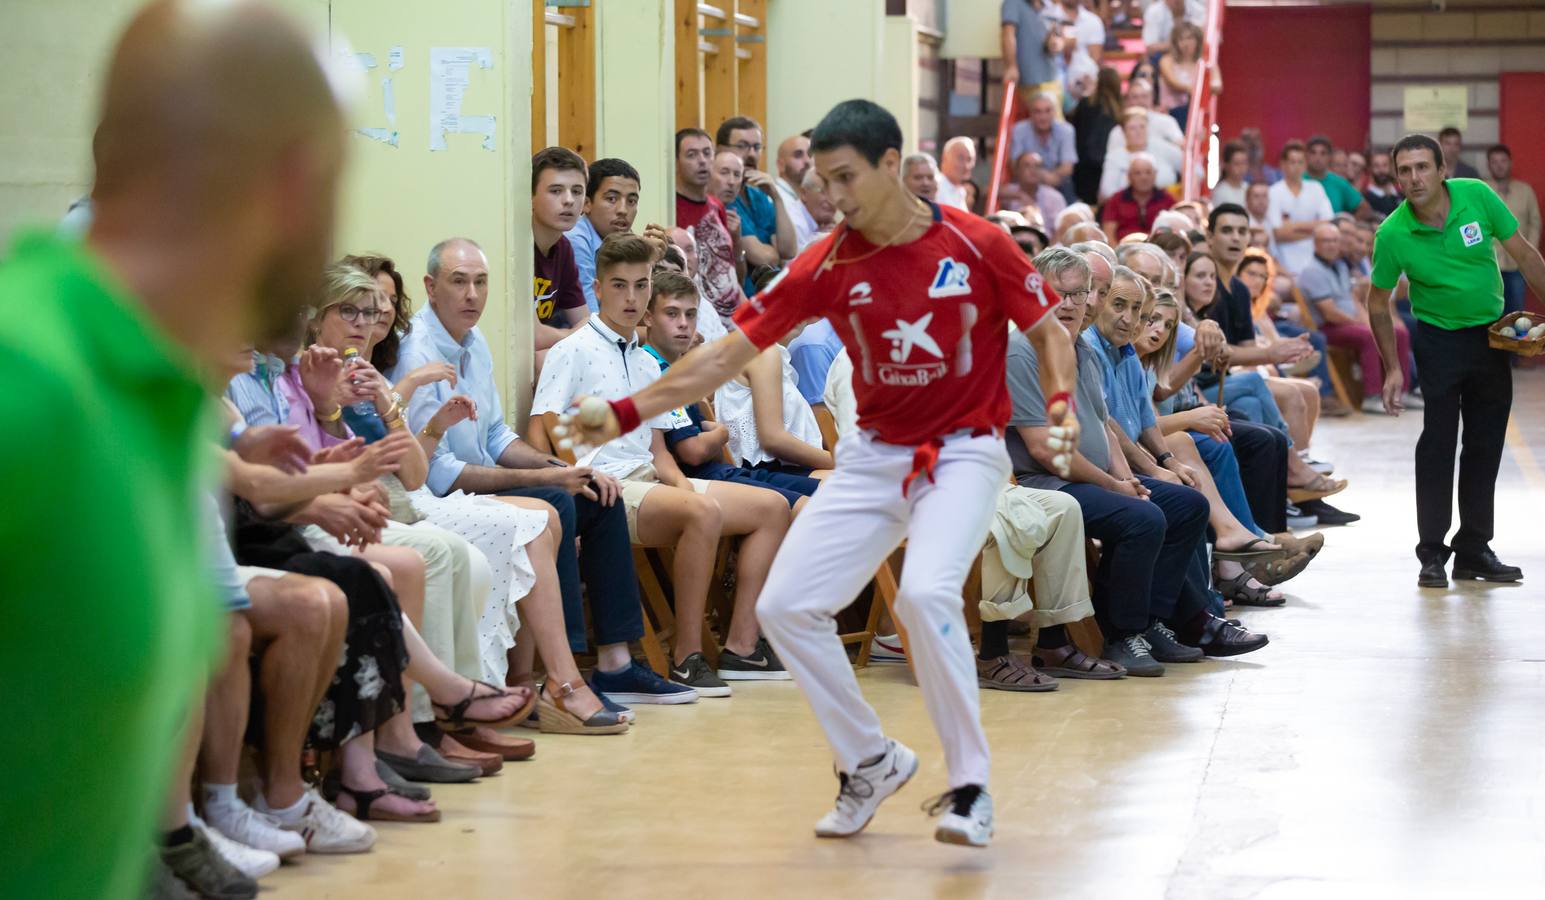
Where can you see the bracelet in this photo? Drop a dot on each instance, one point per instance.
(394, 424)
(431, 432)
(1164, 457)
(1062, 396)
(337, 414)
(627, 414)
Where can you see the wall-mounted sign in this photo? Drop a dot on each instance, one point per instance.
(1431, 108)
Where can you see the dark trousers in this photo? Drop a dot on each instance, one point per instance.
(606, 567)
(1514, 291)
(1461, 377)
(1317, 341)
(1262, 452)
(1147, 547)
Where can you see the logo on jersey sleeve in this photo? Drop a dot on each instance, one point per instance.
(1036, 285)
(952, 280)
(1471, 234)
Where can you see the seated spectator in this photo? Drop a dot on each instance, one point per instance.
(920, 174)
(1160, 18)
(811, 353)
(1175, 245)
(813, 192)
(769, 423)
(1256, 272)
(1042, 203)
(719, 266)
(793, 163)
(484, 456)
(699, 446)
(1381, 192)
(1296, 206)
(1052, 140)
(1074, 214)
(1117, 177)
(1132, 209)
(1326, 283)
(1453, 142)
(766, 225)
(1344, 198)
(1082, 232)
(1525, 207)
(1088, 29)
(1231, 181)
(1259, 170)
(973, 195)
(956, 161)
(1356, 168)
(557, 197)
(665, 507)
(1146, 546)
(709, 325)
(1094, 119)
(1030, 239)
(1177, 71)
(612, 189)
(1165, 139)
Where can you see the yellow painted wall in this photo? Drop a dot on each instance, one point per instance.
(636, 75)
(901, 77)
(819, 53)
(972, 29)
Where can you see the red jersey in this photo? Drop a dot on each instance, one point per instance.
(926, 322)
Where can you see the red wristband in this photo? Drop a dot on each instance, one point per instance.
(627, 414)
(1062, 396)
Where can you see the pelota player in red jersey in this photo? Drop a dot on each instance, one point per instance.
(922, 297)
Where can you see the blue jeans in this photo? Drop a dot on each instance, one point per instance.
(1247, 394)
(1317, 341)
(607, 567)
(1513, 291)
(1149, 549)
(1221, 462)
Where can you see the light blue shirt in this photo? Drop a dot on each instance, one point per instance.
(811, 355)
(1127, 395)
(585, 241)
(479, 442)
(256, 393)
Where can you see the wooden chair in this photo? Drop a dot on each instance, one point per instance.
(1339, 360)
(652, 564)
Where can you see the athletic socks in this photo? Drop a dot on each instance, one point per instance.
(221, 796)
(290, 815)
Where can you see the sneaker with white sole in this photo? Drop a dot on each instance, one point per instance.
(325, 829)
(967, 816)
(245, 825)
(761, 664)
(251, 862)
(886, 648)
(861, 793)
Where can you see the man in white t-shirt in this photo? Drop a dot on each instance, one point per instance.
(955, 165)
(1160, 16)
(1295, 207)
(793, 163)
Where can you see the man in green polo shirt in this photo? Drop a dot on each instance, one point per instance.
(1440, 239)
(1344, 198)
(216, 160)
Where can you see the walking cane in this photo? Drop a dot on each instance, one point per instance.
(1222, 377)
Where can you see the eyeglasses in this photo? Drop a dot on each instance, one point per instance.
(1076, 297)
(351, 313)
(747, 147)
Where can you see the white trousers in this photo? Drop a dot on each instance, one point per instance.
(833, 549)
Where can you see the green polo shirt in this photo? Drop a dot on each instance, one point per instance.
(109, 622)
(1453, 273)
(1343, 197)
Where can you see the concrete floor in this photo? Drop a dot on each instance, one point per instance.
(1388, 743)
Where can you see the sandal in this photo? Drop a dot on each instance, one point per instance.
(1276, 571)
(1010, 673)
(364, 804)
(455, 717)
(1312, 544)
(1075, 663)
(556, 718)
(1238, 589)
(1245, 553)
(1318, 489)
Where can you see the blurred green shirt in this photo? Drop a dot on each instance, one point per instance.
(109, 623)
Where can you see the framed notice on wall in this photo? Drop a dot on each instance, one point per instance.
(1431, 108)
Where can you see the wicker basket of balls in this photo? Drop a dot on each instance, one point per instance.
(1518, 333)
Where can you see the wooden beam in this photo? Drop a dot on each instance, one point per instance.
(721, 74)
(576, 82)
(538, 77)
(752, 87)
(689, 67)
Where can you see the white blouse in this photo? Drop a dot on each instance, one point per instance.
(733, 405)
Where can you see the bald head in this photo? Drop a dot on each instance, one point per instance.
(457, 284)
(683, 239)
(1084, 231)
(217, 158)
(957, 159)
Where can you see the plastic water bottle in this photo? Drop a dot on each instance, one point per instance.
(363, 408)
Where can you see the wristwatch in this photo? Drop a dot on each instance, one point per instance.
(1164, 457)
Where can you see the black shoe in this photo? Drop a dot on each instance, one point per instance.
(761, 664)
(694, 673)
(1327, 514)
(1484, 566)
(1216, 637)
(1434, 575)
(1164, 647)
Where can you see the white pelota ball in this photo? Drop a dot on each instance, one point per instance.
(566, 444)
(1523, 322)
(593, 412)
(1537, 332)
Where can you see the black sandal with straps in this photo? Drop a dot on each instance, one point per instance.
(364, 804)
(454, 717)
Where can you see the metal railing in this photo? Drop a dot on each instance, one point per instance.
(1203, 114)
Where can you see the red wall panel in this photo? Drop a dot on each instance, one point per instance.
(1522, 129)
(1294, 72)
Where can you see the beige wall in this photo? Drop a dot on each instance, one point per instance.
(819, 53)
(636, 74)
(901, 78)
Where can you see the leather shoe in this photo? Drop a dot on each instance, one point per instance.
(429, 766)
(505, 746)
(1484, 566)
(1327, 514)
(1433, 575)
(1216, 637)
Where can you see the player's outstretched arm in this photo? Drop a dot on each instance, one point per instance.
(690, 379)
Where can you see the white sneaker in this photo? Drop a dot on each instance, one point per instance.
(967, 816)
(1374, 406)
(862, 792)
(886, 648)
(1411, 401)
(325, 829)
(248, 827)
(250, 862)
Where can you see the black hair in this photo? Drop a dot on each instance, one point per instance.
(861, 124)
(1196, 237)
(1225, 209)
(1321, 140)
(1499, 148)
(560, 158)
(734, 123)
(1450, 131)
(1232, 149)
(1418, 142)
(602, 169)
(685, 133)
